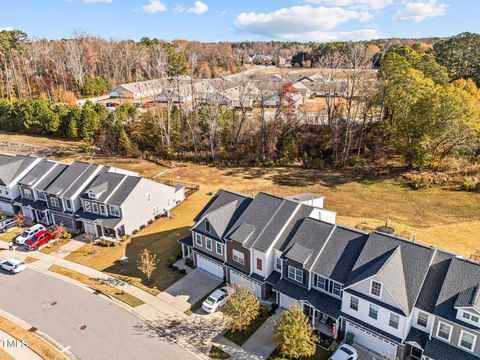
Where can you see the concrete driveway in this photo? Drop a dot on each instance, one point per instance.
(366, 354)
(190, 289)
(94, 327)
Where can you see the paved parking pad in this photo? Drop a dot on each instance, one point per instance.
(190, 289)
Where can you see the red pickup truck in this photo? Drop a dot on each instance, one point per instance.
(39, 239)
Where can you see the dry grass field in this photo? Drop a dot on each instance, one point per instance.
(443, 217)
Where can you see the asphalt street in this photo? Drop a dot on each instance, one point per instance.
(94, 327)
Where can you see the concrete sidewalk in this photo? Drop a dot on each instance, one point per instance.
(15, 348)
(65, 250)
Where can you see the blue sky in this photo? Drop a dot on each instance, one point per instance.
(217, 20)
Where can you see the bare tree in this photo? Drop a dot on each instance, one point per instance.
(147, 264)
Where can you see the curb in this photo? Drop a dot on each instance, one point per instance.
(26, 326)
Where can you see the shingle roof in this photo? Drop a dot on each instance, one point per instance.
(417, 336)
(12, 166)
(440, 350)
(469, 298)
(340, 253)
(38, 171)
(377, 254)
(221, 198)
(434, 280)
(308, 241)
(284, 240)
(51, 177)
(72, 179)
(112, 188)
(461, 276)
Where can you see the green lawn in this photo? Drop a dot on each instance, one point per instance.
(241, 337)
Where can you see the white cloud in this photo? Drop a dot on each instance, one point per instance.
(305, 23)
(154, 6)
(197, 8)
(419, 10)
(354, 4)
(98, 1)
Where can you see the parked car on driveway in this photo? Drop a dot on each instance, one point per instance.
(344, 352)
(39, 239)
(112, 104)
(217, 299)
(13, 265)
(28, 233)
(5, 224)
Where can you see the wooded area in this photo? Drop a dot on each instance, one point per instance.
(424, 104)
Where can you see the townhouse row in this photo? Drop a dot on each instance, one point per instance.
(398, 298)
(104, 201)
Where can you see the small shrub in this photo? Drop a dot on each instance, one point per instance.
(174, 268)
(134, 231)
(189, 262)
(469, 183)
(183, 271)
(157, 216)
(419, 182)
(172, 259)
(142, 227)
(106, 243)
(150, 222)
(170, 266)
(263, 311)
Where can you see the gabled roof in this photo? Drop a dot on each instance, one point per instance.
(387, 254)
(220, 218)
(469, 298)
(461, 280)
(308, 241)
(72, 179)
(340, 253)
(221, 198)
(12, 166)
(37, 172)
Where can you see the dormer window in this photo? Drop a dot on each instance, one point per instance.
(207, 226)
(376, 289)
(91, 195)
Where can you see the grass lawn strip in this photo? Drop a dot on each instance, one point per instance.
(241, 337)
(98, 285)
(217, 353)
(35, 343)
(5, 356)
(29, 260)
(53, 247)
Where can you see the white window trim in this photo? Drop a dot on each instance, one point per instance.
(261, 264)
(86, 206)
(217, 244)
(66, 202)
(295, 272)
(418, 317)
(371, 288)
(114, 210)
(450, 333)
(276, 264)
(198, 239)
(235, 254)
(208, 241)
(149, 198)
(370, 308)
(95, 205)
(390, 319)
(358, 303)
(460, 340)
(55, 202)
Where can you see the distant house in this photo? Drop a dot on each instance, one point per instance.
(139, 89)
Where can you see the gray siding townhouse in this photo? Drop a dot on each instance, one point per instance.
(33, 200)
(116, 204)
(398, 298)
(12, 170)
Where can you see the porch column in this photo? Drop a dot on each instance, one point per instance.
(313, 315)
(183, 251)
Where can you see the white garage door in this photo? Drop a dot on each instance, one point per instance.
(239, 278)
(286, 300)
(6, 207)
(372, 341)
(210, 266)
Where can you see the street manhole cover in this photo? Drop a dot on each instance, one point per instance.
(83, 327)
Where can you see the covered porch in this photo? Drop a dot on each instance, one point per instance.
(187, 244)
(106, 228)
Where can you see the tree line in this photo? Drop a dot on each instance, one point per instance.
(417, 105)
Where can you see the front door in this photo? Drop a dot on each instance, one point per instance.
(416, 353)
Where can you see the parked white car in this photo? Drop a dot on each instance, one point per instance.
(5, 224)
(13, 265)
(28, 233)
(344, 352)
(217, 299)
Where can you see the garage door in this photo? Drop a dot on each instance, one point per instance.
(6, 207)
(372, 341)
(286, 300)
(210, 266)
(239, 278)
